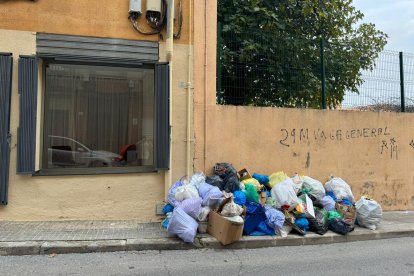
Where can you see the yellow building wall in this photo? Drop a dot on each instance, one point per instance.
(103, 18)
(120, 196)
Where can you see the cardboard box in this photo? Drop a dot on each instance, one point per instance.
(244, 174)
(347, 211)
(224, 230)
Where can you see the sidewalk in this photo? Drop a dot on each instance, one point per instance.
(33, 238)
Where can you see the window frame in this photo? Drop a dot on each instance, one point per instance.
(96, 170)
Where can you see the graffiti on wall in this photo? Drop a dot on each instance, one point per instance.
(390, 147)
(388, 144)
(292, 136)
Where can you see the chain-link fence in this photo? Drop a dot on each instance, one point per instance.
(254, 68)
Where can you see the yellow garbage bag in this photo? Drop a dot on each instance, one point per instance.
(276, 178)
(254, 182)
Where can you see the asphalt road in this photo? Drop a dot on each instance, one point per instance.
(380, 257)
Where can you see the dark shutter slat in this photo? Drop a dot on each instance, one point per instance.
(6, 69)
(26, 133)
(90, 49)
(162, 145)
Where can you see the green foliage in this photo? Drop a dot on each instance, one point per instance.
(270, 51)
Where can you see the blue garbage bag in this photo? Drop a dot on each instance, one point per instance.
(345, 201)
(165, 223)
(302, 223)
(331, 194)
(239, 198)
(263, 179)
(255, 214)
(262, 230)
(168, 208)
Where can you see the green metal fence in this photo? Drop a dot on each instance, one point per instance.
(253, 69)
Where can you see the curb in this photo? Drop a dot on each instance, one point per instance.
(203, 241)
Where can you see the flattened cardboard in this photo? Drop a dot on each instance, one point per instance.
(225, 231)
(310, 211)
(347, 211)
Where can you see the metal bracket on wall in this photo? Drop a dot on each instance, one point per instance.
(185, 85)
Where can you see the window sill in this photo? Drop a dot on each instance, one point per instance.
(93, 171)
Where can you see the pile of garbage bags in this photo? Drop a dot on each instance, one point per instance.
(274, 204)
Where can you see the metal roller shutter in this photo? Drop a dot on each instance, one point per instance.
(94, 49)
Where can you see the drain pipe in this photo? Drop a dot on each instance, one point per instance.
(189, 87)
(170, 53)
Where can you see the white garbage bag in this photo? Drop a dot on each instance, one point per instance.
(191, 206)
(284, 230)
(209, 194)
(340, 189)
(284, 194)
(182, 225)
(171, 193)
(197, 179)
(315, 187)
(298, 182)
(185, 192)
(231, 209)
(369, 213)
(202, 216)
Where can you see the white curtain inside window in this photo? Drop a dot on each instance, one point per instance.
(104, 108)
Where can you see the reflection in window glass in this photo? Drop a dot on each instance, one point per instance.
(98, 116)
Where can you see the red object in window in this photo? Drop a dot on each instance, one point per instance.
(124, 151)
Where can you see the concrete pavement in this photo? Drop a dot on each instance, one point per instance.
(32, 238)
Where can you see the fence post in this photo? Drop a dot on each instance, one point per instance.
(219, 48)
(323, 76)
(402, 82)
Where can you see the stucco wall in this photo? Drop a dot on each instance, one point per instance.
(205, 30)
(103, 18)
(129, 196)
(373, 152)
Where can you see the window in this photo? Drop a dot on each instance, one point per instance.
(98, 116)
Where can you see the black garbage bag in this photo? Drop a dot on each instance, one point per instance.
(229, 175)
(224, 170)
(319, 224)
(339, 226)
(215, 180)
(231, 184)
